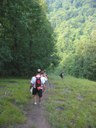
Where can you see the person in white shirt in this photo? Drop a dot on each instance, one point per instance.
(38, 91)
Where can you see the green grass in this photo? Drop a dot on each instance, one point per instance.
(14, 95)
(72, 103)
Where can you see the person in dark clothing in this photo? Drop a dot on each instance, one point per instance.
(62, 75)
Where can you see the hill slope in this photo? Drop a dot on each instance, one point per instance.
(74, 22)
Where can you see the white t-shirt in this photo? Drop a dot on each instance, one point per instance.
(45, 77)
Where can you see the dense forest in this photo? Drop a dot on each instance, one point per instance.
(26, 37)
(43, 33)
(74, 23)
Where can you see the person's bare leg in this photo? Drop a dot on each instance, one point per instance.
(34, 98)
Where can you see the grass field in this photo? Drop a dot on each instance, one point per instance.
(14, 94)
(71, 102)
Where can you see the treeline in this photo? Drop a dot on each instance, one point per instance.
(74, 22)
(26, 37)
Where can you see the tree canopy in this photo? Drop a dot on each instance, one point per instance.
(26, 37)
(74, 22)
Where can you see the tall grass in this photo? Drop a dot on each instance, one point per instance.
(14, 94)
(71, 103)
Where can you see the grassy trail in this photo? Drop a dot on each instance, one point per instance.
(70, 103)
(36, 116)
(17, 109)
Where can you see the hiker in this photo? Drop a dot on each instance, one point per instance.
(61, 75)
(43, 73)
(45, 77)
(38, 88)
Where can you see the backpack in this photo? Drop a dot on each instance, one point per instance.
(38, 82)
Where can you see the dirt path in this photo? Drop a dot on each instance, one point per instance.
(36, 115)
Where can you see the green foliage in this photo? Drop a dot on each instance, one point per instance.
(26, 36)
(74, 23)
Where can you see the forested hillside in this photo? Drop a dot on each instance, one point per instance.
(26, 37)
(74, 22)
(27, 40)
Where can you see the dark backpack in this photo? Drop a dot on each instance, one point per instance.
(38, 82)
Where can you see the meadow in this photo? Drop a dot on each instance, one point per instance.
(70, 102)
(14, 95)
